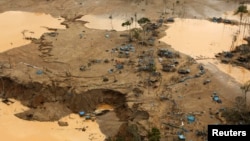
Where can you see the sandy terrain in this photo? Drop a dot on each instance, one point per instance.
(68, 67)
(15, 129)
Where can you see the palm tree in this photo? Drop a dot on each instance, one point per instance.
(142, 22)
(135, 19)
(110, 17)
(165, 6)
(241, 10)
(127, 24)
(132, 20)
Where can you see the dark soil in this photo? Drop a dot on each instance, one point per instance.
(240, 56)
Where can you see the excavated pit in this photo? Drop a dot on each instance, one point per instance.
(50, 103)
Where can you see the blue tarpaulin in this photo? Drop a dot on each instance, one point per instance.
(181, 137)
(39, 72)
(81, 113)
(190, 118)
(216, 98)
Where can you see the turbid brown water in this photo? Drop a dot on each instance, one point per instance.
(15, 129)
(16, 26)
(105, 22)
(203, 39)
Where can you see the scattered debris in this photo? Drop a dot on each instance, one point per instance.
(128, 47)
(106, 61)
(93, 61)
(206, 81)
(217, 20)
(62, 123)
(7, 101)
(163, 97)
(216, 98)
(87, 116)
(167, 53)
(228, 54)
(107, 36)
(119, 66)
(39, 72)
(190, 118)
(81, 113)
(221, 20)
(111, 70)
(170, 20)
(53, 34)
(242, 59)
(176, 126)
(83, 129)
(83, 68)
(168, 67)
(184, 71)
(181, 137)
(105, 79)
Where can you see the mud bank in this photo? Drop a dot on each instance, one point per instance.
(50, 104)
(61, 101)
(13, 128)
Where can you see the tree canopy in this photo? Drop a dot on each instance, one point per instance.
(127, 23)
(154, 134)
(143, 20)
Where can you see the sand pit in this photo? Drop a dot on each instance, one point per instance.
(19, 25)
(16, 129)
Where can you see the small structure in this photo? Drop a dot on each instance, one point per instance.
(87, 117)
(184, 71)
(81, 113)
(63, 123)
(170, 20)
(190, 118)
(181, 137)
(216, 99)
(39, 72)
(168, 67)
(217, 20)
(128, 47)
(167, 53)
(119, 66)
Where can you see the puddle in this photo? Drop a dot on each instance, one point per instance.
(204, 39)
(105, 107)
(16, 26)
(103, 22)
(13, 128)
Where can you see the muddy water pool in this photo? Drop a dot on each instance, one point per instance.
(202, 39)
(17, 25)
